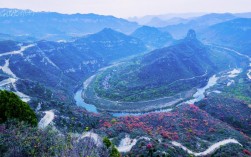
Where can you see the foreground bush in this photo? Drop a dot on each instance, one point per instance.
(12, 107)
(112, 149)
(19, 139)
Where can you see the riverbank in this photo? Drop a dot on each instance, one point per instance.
(93, 103)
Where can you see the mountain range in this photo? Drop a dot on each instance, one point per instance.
(235, 33)
(197, 23)
(103, 86)
(61, 66)
(56, 26)
(178, 18)
(166, 71)
(153, 37)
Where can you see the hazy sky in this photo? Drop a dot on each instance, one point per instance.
(129, 8)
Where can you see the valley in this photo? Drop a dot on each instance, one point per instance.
(97, 85)
(198, 95)
(106, 103)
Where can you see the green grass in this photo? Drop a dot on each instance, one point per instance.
(240, 90)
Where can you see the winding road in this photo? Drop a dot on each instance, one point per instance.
(12, 77)
(127, 143)
(96, 138)
(23, 48)
(210, 150)
(47, 119)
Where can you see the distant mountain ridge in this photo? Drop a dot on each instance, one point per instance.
(198, 23)
(153, 37)
(56, 26)
(175, 19)
(235, 34)
(111, 44)
(149, 19)
(5, 12)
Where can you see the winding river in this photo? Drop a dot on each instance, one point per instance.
(199, 95)
(92, 108)
(80, 102)
(240, 54)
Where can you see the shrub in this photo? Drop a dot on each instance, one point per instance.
(112, 149)
(114, 152)
(113, 121)
(107, 142)
(247, 152)
(12, 107)
(20, 139)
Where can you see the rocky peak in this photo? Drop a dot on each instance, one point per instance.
(191, 34)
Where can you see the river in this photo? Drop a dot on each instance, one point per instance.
(92, 108)
(199, 95)
(80, 102)
(240, 54)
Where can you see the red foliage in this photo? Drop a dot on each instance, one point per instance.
(194, 108)
(212, 130)
(247, 152)
(107, 124)
(165, 134)
(189, 121)
(149, 146)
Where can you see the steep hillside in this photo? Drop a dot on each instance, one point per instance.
(62, 66)
(111, 44)
(235, 34)
(164, 133)
(8, 45)
(232, 111)
(164, 72)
